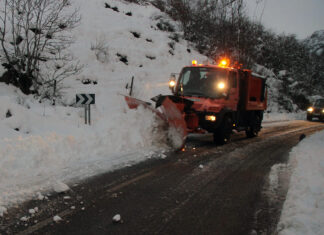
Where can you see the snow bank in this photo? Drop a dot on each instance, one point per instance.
(303, 210)
(275, 116)
(274, 176)
(57, 150)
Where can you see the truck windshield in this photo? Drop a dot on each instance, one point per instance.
(319, 103)
(202, 81)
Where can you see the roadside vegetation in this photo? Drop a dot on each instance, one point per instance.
(223, 28)
(34, 38)
(34, 41)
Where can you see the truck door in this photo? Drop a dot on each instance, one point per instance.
(243, 90)
(233, 90)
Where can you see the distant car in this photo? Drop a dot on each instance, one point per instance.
(316, 111)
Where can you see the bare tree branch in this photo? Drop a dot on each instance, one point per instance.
(34, 35)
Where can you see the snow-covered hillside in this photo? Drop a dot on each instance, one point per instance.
(42, 144)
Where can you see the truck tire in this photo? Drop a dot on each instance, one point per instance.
(254, 127)
(223, 133)
(309, 117)
(250, 133)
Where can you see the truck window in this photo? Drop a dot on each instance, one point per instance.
(186, 76)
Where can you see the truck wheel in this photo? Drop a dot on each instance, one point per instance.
(223, 134)
(254, 128)
(250, 133)
(309, 117)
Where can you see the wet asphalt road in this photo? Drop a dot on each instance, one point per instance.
(206, 189)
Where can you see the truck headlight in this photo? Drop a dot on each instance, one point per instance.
(221, 85)
(310, 109)
(211, 118)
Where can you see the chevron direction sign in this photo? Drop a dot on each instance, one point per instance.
(85, 99)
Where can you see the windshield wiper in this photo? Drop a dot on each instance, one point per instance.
(198, 94)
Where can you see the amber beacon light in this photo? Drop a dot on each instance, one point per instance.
(224, 63)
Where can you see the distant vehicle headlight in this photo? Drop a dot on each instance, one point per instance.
(310, 109)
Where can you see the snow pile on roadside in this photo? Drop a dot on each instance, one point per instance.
(47, 149)
(275, 116)
(274, 175)
(303, 211)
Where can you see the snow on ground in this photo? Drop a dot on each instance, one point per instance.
(42, 146)
(276, 116)
(303, 210)
(274, 176)
(57, 218)
(3, 210)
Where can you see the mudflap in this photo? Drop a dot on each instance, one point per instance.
(171, 115)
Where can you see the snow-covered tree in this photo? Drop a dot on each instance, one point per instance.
(34, 36)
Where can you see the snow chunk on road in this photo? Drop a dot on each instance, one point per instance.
(57, 218)
(60, 187)
(274, 175)
(163, 156)
(117, 218)
(33, 211)
(40, 196)
(3, 211)
(24, 218)
(303, 210)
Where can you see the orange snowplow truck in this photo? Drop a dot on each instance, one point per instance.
(212, 98)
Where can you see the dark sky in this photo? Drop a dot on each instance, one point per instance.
(300, 17)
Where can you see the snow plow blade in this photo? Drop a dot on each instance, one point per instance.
(170, 114)
(134, 103)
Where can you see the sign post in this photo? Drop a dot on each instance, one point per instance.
(86, 100)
